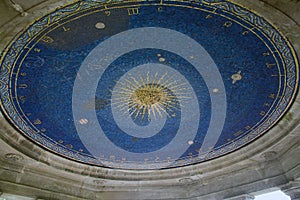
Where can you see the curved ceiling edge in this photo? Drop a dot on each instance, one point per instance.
(61, 163)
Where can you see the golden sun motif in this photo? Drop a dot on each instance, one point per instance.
(141, 96)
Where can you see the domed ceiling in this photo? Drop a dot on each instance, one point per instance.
(147, 84)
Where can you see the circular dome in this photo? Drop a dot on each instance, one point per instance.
(147, 85)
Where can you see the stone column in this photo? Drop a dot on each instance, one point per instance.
(292, 189)
(241, 197)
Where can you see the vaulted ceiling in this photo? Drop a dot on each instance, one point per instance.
(149, 99)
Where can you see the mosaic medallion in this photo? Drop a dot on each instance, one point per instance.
(147, 84)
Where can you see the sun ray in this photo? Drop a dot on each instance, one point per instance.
(141, 79)
(145, 94)
(161, 78)
(148, 78)
(124, 85)
(164, 83)
(157, 110)
(149, 111)
(132, 112)
(173, 87)
(162, 109)
(138, 84)
(131, 83)
(154, 79)
(121, 108)
(144, 111)
(167, 105)
(172, 84)
(123, 92)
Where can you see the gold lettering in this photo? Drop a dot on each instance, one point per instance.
(228, 24)
(245, 33)
(247, 127)
(208, 16)
(23, 86)
(23, 74)
(276, 75)
(270, 65)
(22, 98)
(47, 39)
(43, 130)
(69, 146)
(262, 113)
(266, 54)
(66, 29)
(133, 11)
(238, 133)
(37, 121)
(266, 105)
(37, 50)
(107, 12)
(272, 96)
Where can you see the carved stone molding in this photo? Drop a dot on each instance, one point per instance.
(16, 7)
(13, 157)
(270, 155)
(292, 189)
(242, 197)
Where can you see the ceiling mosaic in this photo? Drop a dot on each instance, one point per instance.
(147, 84)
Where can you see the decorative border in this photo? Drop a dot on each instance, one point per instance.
(10, 56)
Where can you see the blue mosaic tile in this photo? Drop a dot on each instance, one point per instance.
(147, 84)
